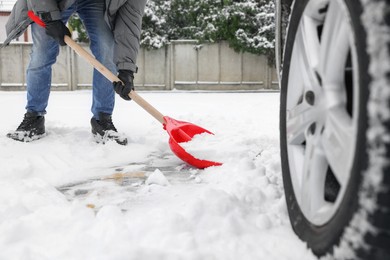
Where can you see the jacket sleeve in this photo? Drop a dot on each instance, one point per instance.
(45, 6)
(16, 24)
(127, 33)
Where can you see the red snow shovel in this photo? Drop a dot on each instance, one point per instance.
(179, 131)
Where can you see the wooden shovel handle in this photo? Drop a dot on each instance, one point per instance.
(113, 78)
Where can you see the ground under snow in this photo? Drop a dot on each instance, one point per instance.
(66, 197)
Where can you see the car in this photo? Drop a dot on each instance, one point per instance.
(333, 61)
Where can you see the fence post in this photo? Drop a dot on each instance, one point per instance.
(167, 62)
(269, 75)
(69, 67)
(1, 67)
(219, 64)
(23, 67)
(173, 66)
(74, 81)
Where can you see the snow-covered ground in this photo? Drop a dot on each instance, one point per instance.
(66, 197)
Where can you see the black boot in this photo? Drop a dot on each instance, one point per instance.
(32, 128)
(104, 130)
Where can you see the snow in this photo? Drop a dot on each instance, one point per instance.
(157, 178)
(234, 211)
(6, 5)
(246, 25)
(209, 147)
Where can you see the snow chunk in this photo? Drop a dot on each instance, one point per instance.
(220, 148)
(158, 178)
(204, 146)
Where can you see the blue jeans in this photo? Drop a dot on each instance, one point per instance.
(45, 51)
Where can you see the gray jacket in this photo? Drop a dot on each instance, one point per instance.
(123, 16)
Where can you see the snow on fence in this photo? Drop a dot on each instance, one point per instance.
(182, 65)
(6, 5)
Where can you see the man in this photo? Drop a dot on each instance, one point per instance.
(108, 23)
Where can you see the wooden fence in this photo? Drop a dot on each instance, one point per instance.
(182, 65)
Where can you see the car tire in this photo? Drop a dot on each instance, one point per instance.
(335, 127)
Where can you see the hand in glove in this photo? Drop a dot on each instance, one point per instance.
(57, 30)
(123, 90)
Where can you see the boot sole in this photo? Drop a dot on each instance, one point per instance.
(24, 137)
(106, 138)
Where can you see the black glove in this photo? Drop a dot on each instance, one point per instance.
(127, 77)
(57, 30)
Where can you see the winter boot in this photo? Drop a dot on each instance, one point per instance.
(32, 128)
(104, 130)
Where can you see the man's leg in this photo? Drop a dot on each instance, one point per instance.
(43, 55)
(102, 44)
(39, 72)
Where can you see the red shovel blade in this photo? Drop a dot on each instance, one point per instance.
(179, 132)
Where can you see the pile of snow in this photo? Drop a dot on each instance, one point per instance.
(235, 211)
(158, 178)
(220, 148)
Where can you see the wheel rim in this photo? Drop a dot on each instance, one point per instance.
(321, 109)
